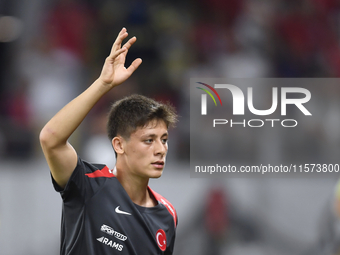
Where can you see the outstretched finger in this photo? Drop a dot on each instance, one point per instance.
(130, 42)
(134, 65)
(117, 53)
(118, 42)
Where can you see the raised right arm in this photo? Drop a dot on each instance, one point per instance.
(60, 155)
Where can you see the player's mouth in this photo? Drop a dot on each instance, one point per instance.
(158, 164)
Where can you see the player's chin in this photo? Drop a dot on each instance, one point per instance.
(155, 173)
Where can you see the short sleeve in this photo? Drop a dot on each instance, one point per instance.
(79, 187)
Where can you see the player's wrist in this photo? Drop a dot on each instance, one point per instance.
(102, 86)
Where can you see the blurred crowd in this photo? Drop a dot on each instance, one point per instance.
(43, 70)
(63, 44)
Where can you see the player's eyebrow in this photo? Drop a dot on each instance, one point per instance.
(152, 135)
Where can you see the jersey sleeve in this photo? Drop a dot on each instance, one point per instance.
(80, 186)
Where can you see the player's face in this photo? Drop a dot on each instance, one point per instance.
(146, 150)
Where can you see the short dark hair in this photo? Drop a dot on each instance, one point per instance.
(134, 111)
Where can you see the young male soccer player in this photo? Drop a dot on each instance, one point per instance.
(113, 211)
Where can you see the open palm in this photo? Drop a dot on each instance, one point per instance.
(114, 72)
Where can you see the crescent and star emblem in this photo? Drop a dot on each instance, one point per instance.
(161, 239)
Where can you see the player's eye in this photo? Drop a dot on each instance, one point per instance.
(165, 140)
(148, 141)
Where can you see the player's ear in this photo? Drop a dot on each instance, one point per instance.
(118, 144)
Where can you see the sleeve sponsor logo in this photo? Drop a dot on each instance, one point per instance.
(108, 230)
(167, 205)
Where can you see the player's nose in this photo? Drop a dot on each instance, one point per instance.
(161, 147)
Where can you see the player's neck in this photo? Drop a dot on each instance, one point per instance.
(137, 188)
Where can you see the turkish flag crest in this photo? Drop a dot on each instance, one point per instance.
(161, 239)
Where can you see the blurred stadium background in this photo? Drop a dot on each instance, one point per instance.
(52, 50)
